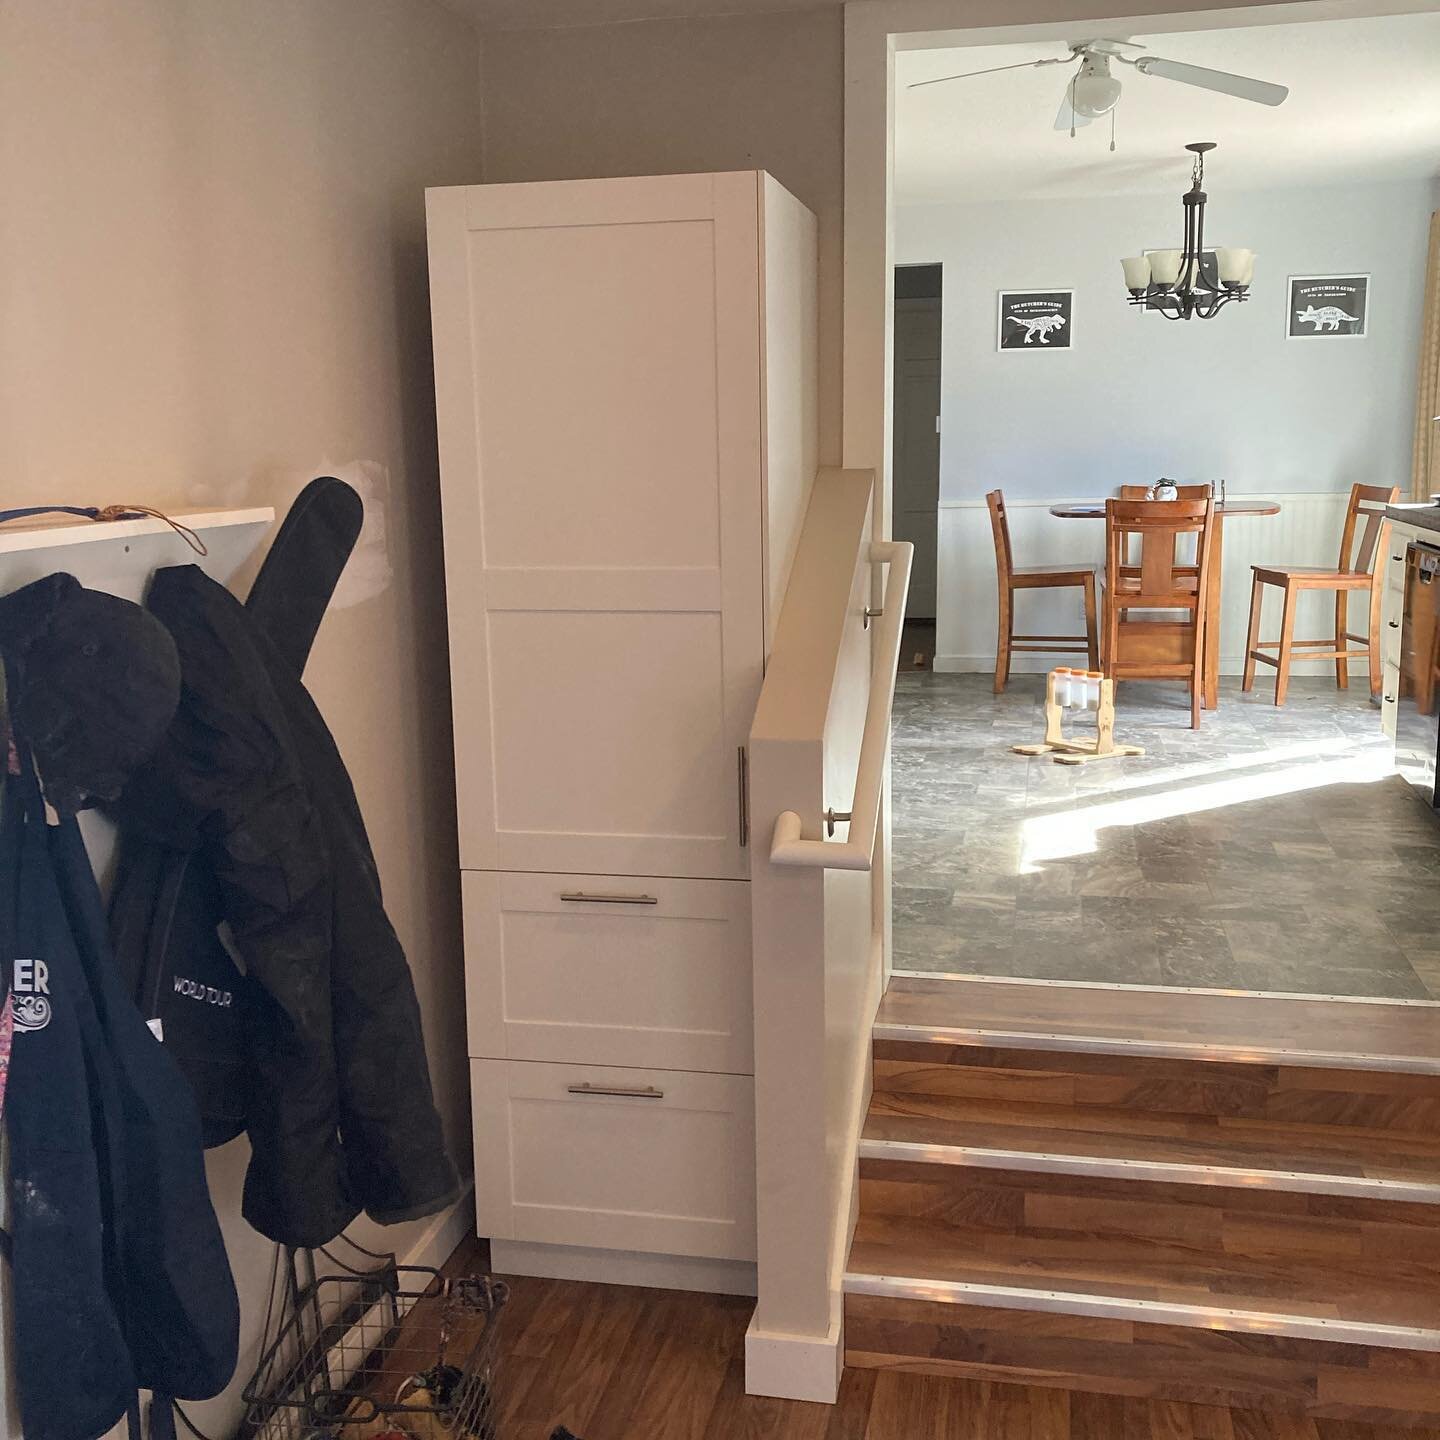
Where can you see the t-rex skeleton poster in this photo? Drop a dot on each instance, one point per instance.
(1035, 320)
(1328, 305)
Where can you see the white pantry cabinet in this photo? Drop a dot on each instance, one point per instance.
(625, 393)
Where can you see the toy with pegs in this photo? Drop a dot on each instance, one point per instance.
(1078, 690)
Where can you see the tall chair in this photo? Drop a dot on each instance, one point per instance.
(1144, 647)
(1356, 571)
(1035, 577)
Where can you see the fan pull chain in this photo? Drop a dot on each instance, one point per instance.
(1113, 109)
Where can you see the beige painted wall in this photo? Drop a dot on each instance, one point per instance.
(731, 92)
(212, 288)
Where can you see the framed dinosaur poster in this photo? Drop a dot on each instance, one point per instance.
(1035, 320)
(1328, 306)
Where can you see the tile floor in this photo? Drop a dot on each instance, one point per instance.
(1270, 850)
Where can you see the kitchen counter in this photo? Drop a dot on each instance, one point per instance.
(1423, 515)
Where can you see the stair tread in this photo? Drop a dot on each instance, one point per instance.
(1095, 1132)
(1156, 1271)
(1261, 1029)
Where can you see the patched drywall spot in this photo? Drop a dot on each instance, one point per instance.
(369, 572)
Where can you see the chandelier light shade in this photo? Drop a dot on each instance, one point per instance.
(1189, 282)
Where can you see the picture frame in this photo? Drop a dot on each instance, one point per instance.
(1034, 321)
(1327, 307)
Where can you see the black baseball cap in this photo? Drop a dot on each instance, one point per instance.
(95, 685)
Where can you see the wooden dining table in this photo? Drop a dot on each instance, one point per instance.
(1095, 510)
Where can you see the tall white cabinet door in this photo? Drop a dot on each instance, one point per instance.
(598, 395)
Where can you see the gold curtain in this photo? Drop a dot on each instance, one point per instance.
(1425, 480)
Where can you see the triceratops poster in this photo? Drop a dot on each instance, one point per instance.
(1035, 320)
(1327, 305)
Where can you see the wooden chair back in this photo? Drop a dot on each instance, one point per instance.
(1157, 582)
(1184, 492)
(1370, 501)
(1000, 530)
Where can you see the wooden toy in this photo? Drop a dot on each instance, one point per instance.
(1078, 690)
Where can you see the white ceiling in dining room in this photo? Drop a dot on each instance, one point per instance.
(1364, 104)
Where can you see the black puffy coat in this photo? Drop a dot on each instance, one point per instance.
(339, 1110)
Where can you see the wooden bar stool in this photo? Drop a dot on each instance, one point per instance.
(1036, 577)
(1354, 572)
(1167, 648)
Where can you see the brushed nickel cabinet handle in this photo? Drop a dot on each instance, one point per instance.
(577, 897)
(743, 769)
(647, 1092)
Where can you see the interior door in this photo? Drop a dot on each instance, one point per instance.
(916, 468)
(598, 394)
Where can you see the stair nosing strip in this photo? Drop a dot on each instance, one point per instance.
(1128, 986)
(1115, 1167)
(1154, 1312)
(1156, 1049)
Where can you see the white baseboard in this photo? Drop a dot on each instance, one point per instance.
(623, 1267)
(444, 1234)
(1041, 664)
(797, 1367)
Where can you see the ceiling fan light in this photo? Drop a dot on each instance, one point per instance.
(1094, 91)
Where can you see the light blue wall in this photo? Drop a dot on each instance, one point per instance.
(1140, 396)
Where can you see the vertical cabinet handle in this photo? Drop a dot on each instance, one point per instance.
(743, 776)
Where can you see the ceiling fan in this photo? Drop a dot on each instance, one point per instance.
(1093, 91)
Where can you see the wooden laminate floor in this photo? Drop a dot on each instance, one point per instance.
(614, 1363)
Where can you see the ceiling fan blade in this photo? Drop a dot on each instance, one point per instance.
(1067, 117)
(1241, 86)
(994, 70)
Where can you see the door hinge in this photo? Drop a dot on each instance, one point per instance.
(742, 765)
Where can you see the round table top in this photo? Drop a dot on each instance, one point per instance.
(1095, 509)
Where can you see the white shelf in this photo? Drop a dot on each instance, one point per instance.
(52, 533)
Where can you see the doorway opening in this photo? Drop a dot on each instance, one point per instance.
(1274, 849)
(915, 447)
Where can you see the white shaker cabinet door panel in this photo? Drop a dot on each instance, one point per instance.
(609, 970)
(617, 1159)
(598, 394)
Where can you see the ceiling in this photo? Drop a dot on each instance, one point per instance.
(542, 14)
(1364, 104)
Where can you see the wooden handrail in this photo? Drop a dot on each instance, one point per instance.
(788, 845)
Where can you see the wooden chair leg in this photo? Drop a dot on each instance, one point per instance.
(1374, 657)
(1252, 635)
(1287, 645)
(1092, 634)
(1197, 669)
(1002, 639)
(1342, 663)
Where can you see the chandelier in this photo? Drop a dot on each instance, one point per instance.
(1182, 284)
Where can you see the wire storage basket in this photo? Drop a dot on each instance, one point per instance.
(360, 1354)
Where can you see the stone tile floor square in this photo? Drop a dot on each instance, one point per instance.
(1269, 850)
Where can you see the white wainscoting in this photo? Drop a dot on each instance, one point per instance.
(1305, 532)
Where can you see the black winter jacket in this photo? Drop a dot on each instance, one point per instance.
(340, 1111)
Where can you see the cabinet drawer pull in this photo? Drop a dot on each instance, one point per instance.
(580, 897)
(647, 1092)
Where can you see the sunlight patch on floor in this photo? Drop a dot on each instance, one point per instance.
(1074, 831)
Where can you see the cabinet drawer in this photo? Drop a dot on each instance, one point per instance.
(608, 970)
(667, 1170)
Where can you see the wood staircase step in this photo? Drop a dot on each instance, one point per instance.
(1231, 1200)
(1205, 1025)
(1137, 1144)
